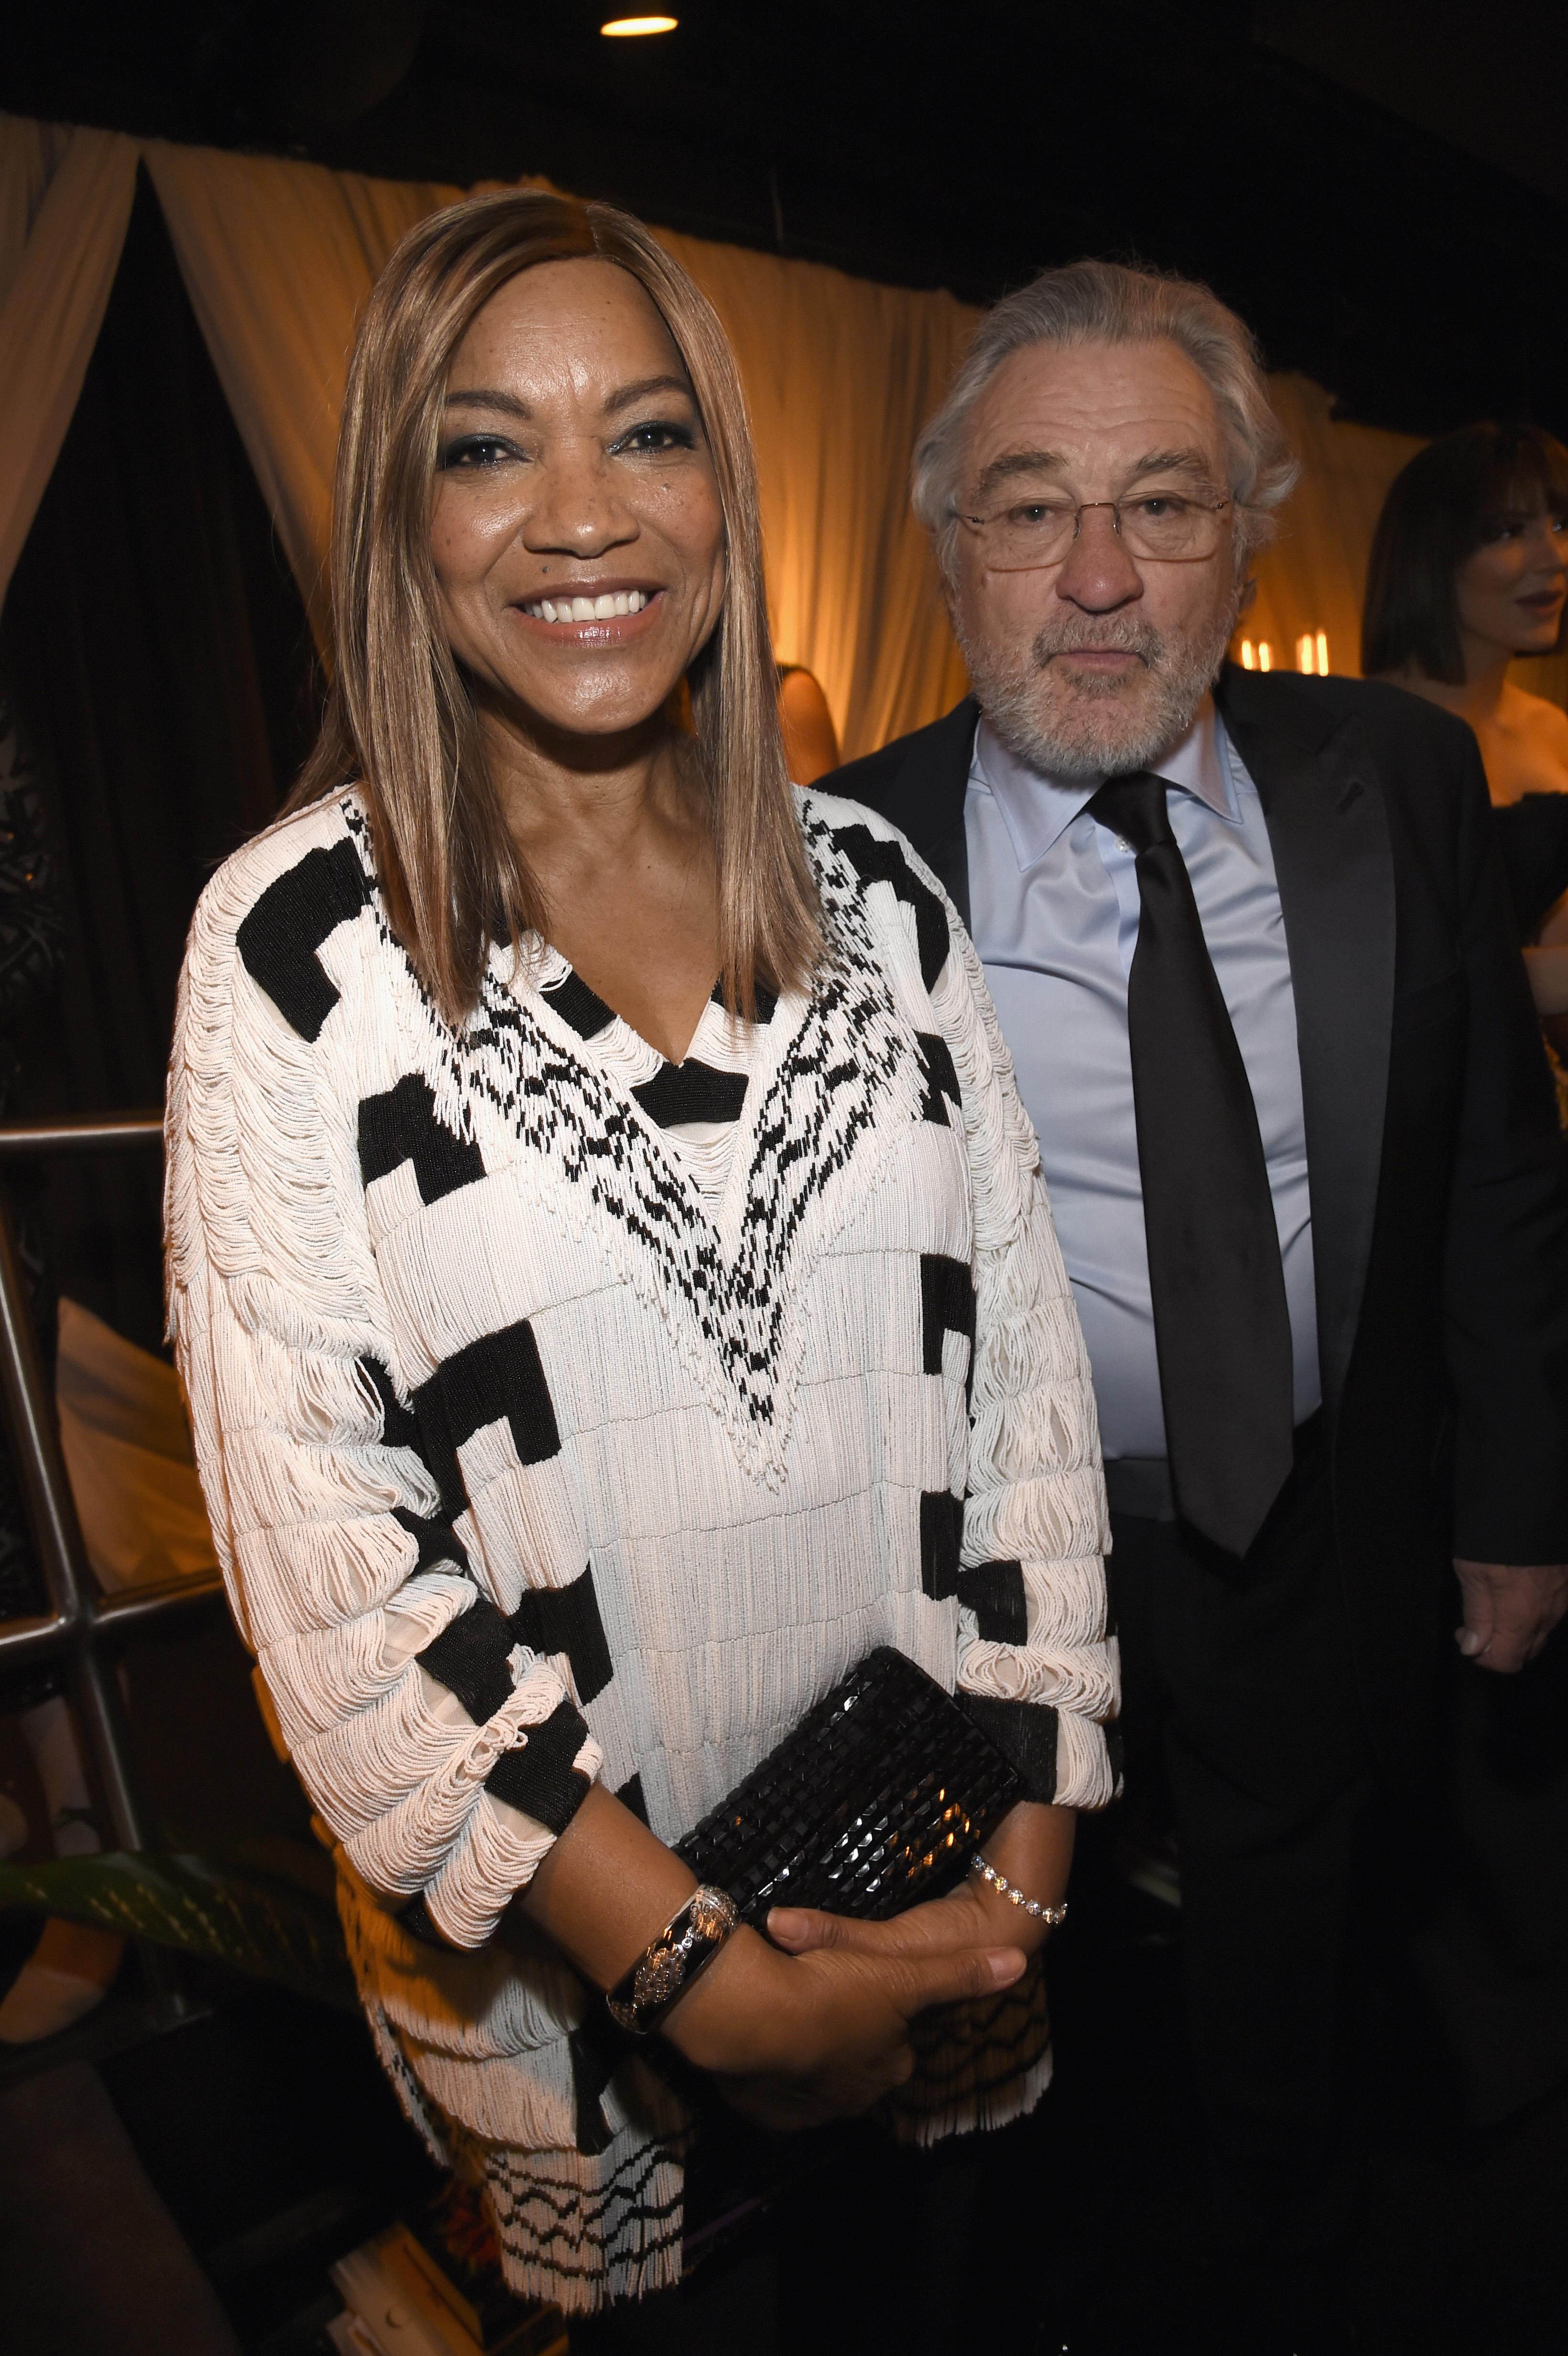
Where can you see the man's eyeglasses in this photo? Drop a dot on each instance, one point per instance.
(1164, 527)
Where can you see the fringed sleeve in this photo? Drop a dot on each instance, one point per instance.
(443, 1754)
(1037, 1663)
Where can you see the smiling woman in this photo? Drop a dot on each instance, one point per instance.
(611, 1274)
(559, 389)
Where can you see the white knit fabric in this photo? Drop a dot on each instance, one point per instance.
(695, 1499)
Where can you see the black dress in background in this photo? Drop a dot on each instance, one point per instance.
(1532, 835)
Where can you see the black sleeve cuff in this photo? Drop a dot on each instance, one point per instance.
(1025, 1734)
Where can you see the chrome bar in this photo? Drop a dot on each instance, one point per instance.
(123, 1614)
(79, 1133)
(31, 1640)
(81, 1625)
(57, 1535)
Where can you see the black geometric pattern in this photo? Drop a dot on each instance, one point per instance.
(630, 1795)
(594, 2061)
(571, 2231)
(401, 1126)
(279, 938)
(578, 1006)
(470, 1658)
(941, 1537)
(883, 862)
(399, 1426)
(438, 1542)
(994, 1592)
(849, 1053)
(538, 1776)
(566, 1620)
(692, 1091)
(946, 1304)
(941, 1079)
(499, 1374)
(1025, 1733)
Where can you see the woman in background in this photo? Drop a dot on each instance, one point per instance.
(1469, 571)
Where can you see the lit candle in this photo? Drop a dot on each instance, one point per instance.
(1323, 652)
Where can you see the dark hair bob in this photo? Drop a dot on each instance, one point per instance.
(1452, 498)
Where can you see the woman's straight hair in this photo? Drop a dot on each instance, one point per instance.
(1445, 503)
(400, 720)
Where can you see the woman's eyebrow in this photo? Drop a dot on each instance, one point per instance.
(628, 395)
(479, 398)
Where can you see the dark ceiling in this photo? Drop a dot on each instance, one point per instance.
(1380, 186)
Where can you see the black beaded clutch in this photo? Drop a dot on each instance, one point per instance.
(878, 1800)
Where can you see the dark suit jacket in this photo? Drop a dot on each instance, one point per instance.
(1439, 1203)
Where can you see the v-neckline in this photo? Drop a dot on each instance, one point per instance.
(587, 992)
(697, 1109)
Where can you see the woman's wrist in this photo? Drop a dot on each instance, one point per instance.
(1031, 1852)
(744, 2014)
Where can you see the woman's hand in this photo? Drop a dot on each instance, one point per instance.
(1032, 1847)
(793, 2041)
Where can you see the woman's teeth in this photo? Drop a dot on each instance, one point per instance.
(587, 609)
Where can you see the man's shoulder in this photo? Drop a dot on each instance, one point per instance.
(1397, 724)
(934, 759)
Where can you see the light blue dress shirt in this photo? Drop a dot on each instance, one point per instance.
(1055, 909)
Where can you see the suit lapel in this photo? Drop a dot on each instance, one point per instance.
(1323, 803)
(932, 792)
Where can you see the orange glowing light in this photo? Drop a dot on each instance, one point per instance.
(627, 28)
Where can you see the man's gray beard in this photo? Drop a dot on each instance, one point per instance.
(1095, 726)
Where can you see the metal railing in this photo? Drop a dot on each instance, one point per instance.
(83, 1627)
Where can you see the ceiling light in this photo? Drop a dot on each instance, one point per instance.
(622, 28)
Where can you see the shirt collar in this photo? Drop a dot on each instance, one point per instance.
(1039, 809)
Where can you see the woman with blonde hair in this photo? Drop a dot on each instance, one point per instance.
(614, 1287)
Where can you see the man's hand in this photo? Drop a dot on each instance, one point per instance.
(1511, 1608)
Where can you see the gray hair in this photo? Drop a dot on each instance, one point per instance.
(1104, 301)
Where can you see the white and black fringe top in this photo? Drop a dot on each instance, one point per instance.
(563, 1412)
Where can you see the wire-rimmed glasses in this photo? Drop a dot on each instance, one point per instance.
(1162, 527)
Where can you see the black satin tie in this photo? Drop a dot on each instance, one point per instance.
(1221, 1322)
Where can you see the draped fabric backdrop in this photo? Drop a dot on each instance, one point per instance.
(278, 257)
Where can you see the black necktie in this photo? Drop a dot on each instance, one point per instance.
(1221, 1323)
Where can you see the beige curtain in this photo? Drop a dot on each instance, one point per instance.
(278, 258)
(839, 376)
(65, 200)
(1313, 577)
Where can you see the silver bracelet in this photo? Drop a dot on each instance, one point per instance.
(669, 1964)
(1053, 1915)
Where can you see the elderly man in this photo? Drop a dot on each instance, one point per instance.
(1251, 951)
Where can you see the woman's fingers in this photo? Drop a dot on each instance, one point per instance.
(917, 1982)
(940, 1926)
(802, 1930)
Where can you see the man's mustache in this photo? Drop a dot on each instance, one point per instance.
(1125, 637)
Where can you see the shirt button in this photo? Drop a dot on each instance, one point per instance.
(1122, 844)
